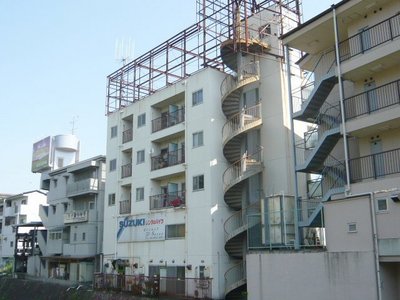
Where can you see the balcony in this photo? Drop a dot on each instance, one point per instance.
(168, 200)
(373, 100)
(81, 187)
(168, 120)
(375, 165)
(168, 159)
(372, 37)
(125, 207)
(76, 216)
(126, 170)
(127, 135)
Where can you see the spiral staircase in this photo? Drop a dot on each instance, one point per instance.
(242, 165)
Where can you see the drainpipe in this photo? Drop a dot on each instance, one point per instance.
(296, 187)
(341, 100)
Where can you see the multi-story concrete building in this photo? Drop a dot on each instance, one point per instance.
(191, 157)
(18, 210)
(73, 217)
(350, 100)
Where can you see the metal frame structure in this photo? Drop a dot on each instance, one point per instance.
(192, 49)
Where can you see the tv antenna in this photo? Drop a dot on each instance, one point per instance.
(73, 123)
(124, 50)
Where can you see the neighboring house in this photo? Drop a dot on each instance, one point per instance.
(73, 218)
(190, 158)
(18, 210)
(350, 100)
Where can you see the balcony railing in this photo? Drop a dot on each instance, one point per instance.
(76, 216)
(241, 121)
(168, 120)
(369, 38)
(125, 207)
(155, 286)
(126, 170)
(238, 221)
(175, 199)
(375, 165)
(82, 186)
(168, 159)
(373, 100)
(127, 135)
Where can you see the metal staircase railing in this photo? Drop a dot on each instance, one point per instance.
(241, 121)
(238, 169)
(235, 276)
(237, 223)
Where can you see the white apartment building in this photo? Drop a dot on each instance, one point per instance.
(191, 157)
(18, 210)
(71, 246)
(350, 100)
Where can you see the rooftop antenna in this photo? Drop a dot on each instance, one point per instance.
(73, 123)
(124, 50)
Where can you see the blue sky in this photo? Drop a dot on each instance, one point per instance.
(54, 60)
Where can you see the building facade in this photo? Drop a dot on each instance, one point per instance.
(18, 210)
(71, 246)
(349, 100)
(189, 162)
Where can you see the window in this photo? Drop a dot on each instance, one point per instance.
(60, 162)
(114, 131)
(55, 181)
(140, 194)
(198, 182)
(352, 227)
(140, 157)
(23, 202)
(111, 199)
(55, 235)
(141, 120)
(75, 236)
(113, 165)
(83, 236)
(91, 205)
(382, 205)
(197, 139)
(175, 231)
(11, 244)
(197, 97)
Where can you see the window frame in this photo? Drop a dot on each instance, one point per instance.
(141, 191)
(177, 228)
(142, 156)
(111, 199)
(196, 100)
(113, 165)
(141, 120)
(196, 183)
(378, 210)
(114, 131)
(197, 134)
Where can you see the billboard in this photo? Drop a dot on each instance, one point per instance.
(41, 155)
(141, 228)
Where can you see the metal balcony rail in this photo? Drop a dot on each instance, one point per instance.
(125, 206)
(369, 38)
(230, 83)
(127, 135)
(155, 286)
(82, 186)
(239, 219)
(126, 170)
(241, 121)
(373, 100)
(241, 166)
(168, 120)
(168, 159)
(235, 274)
(375, 165)
(173, 199)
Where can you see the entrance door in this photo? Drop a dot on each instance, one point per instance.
(173, 154)
(173, 114)
(372, 99)
(377, 158)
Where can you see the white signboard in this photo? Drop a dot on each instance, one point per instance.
(141, 228)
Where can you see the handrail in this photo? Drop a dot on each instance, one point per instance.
(165, 200)
(240, 166)
(234, 274)
(239, 218)
(168, 120)
(241, 120)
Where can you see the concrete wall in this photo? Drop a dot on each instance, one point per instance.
(305, 276)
